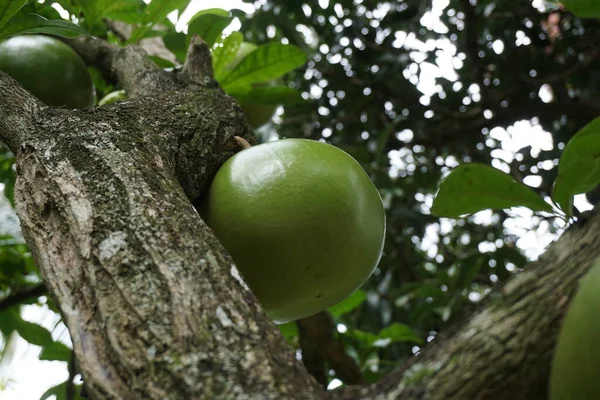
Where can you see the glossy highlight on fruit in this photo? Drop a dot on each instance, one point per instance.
(302, 220)
(49, 69)
(576, 361)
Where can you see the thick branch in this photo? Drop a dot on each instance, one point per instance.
(138, 75)
(317, 337)
(198, 63)
(22, 295)
(504, 350)
(18, 111)
(155, 307)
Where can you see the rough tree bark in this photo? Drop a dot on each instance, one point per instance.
(155, 306)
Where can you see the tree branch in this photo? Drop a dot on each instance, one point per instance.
(317, 333)
(23, 295)
(18, 112)
(504, 349)
(138, 75)
(198, 63)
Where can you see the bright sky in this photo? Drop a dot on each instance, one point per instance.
(22, 385)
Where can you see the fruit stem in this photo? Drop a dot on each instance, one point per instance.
(241, 142)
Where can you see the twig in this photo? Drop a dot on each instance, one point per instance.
(317, 334)
(18, 111)
(70, 390)
(198, 63)
(22, 295)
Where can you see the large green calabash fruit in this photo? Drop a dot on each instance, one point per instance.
(256, 114)
(576, 363)
(49, 69)
(302, 220)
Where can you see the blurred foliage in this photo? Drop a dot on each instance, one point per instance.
(411, 89)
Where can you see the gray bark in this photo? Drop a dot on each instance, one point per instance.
(155, 306)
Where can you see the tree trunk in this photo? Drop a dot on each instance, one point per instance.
(156, 308)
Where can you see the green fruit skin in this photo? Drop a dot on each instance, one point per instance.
(49, 69)
(302, 220)
(256, 114)
(574, 373)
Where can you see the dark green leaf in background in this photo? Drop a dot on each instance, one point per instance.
(8, 8)
(583, 8)
(31, 23)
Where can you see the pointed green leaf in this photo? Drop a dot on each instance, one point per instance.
(468, 270)
(32, 23)
(55, 351)
(209, 24)
(474, 187)
(155, 12)
(583, 8)
(224, 52)
(8, 8)
(9, 320)
(351, 303)
(59, 391)
(268, 62)
(34, 333)
(579, 166)
(175, 42)
(95, 10)
(398, 332)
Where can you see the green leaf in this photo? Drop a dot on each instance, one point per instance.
(34, 333)
(175, 42)
(209, 25)
(32, 23)
(468, 270)
(60, 391)
(270, 61)
(270, 95)
(474, 187)
(8, 8)
(55, 351)
(351, 303)
(158, 10)
(395, 333)
(579, 166)
(398, 332)
(224, 52)
(289, 331)
(9, 320)
(95, 10)
(155, 12)
(161, 62)
(130, 11)
(583, 8)
(11, 262)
